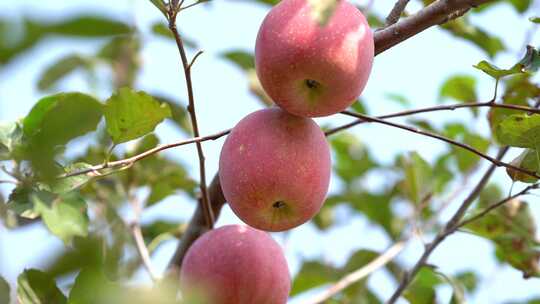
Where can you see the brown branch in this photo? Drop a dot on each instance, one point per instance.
(191, 109)
(451, 107)
(436, 13)
(197, 225)
(396, 12)
(130, 161)
(490, 208)
(495, 161)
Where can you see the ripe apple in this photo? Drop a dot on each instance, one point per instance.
(236, 264)
(309, 69)
(274, 169)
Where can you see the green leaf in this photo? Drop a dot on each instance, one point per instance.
(513, 230)
(468, 279)
(19, 202)
(422, 289)
(89, 26)
(528, 160)
(67, 184)
(159, 231)
(460, 87)
(497, 72)
(521, 6)
(242, 59)
(313, 274)
(160, 5)
(352, 157)
(520, 131)
(180, 115)
(398, 98)
(417, 182)
(534, 19)
(11, 140)
(60, 69)
(92, 286)
(322, 10)
(466, 160)
(59, 118)
(161, 29)
(131, 114)
(65, 216)
(4, 291)
(37, 287)
(531, 61)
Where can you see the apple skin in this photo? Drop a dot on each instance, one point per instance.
(274, 169)
(236, 264)
(310, 70)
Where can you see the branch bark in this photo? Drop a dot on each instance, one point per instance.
(205, 202)
(396, 12)
(436, 13)
(496, 162)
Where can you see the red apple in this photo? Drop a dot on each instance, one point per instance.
(274, 169)
(236, 264)
(313, 70)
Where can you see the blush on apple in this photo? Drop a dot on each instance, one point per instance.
(274, 169)
(235, 264)
(312, 70)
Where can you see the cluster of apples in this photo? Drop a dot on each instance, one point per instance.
(275, 165)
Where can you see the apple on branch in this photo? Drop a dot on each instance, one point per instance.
(274, 169)
(310, 69)
(235, 264)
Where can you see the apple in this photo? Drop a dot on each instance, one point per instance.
(310, 69)
(236, 264)
(274, 169)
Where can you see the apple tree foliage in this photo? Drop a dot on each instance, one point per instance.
(85, 211)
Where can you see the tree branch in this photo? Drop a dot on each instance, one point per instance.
(490, 208)
(495, 161)
(197, 225)
(438, 12)
(451, 107)
(191, 109)
(130, 161)
(396, 12)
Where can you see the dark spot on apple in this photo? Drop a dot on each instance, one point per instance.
(279, 204)
(312, 84)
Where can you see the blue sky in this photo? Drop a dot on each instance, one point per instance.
(415, 69)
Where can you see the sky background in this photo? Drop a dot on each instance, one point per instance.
(415, 69)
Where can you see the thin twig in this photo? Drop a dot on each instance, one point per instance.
(451, 107)
(496, 205)
(7, 181)
(199, 53)
(143, 251)
(136, 232)
(458, 215)
(130, 161)
(191, 109)
(396, 12)
(359, 274)
(495, 161)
